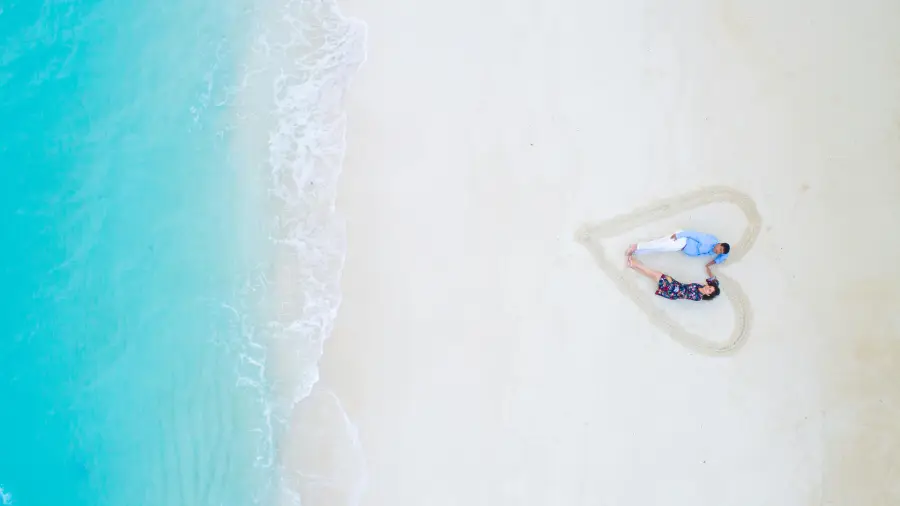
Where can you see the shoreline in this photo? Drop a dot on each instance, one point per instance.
(292, 128)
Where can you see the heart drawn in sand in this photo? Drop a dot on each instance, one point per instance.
(591, 236)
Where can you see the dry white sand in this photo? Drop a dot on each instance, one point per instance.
(491, 348)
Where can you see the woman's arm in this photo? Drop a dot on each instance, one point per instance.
(650, 273)
(711, 278)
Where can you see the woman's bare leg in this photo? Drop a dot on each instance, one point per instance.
(650, 273)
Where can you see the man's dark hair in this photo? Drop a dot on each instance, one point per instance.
(713, 295)
(726, 248)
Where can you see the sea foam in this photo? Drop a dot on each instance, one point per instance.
(291, 118)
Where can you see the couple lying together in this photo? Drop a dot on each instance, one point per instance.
(692, 244)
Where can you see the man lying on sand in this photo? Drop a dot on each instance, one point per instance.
(673, 290)
(688, 242)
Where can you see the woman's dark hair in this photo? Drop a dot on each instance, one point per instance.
(713, 295)
(726, 247)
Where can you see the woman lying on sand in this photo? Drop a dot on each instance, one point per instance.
(669, 288)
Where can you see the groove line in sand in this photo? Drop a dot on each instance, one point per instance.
(591, 236)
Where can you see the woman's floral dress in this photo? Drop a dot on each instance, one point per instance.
(673, 290)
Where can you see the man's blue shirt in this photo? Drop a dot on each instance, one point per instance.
(700, 244)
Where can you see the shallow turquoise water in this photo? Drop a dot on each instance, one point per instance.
(119, 256)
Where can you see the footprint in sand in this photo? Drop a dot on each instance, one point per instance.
(592, 235)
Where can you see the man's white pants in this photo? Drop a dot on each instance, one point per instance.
(661, 245)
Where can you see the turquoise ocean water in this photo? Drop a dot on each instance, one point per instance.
(144, 170)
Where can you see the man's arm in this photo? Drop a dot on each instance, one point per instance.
(697, 236)
(683, 233)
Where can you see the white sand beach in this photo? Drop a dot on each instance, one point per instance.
(492, 349)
